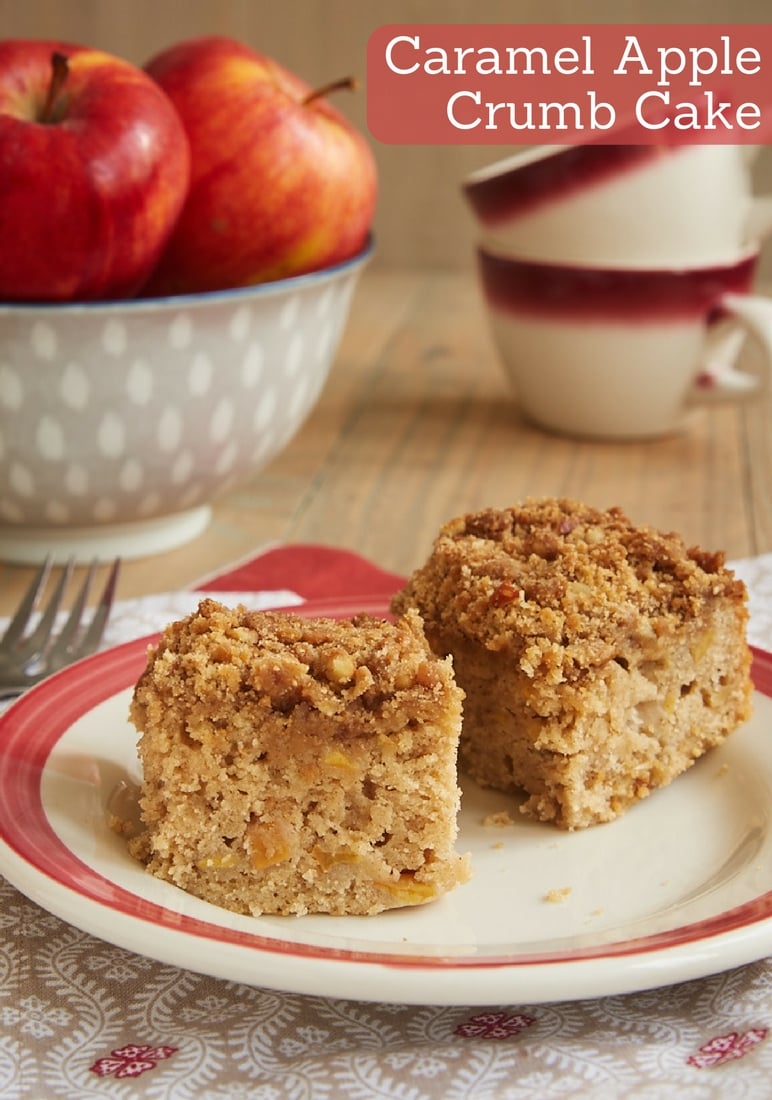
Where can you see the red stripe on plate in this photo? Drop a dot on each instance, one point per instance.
(32, 727)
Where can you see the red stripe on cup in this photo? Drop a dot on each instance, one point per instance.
(522, 183)
(612, 294)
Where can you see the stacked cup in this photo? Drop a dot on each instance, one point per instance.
(617, 280)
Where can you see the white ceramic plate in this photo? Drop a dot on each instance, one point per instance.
(678, 888)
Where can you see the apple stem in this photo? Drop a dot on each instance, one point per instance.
(60, 68)
(347, 83)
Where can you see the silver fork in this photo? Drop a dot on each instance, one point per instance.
(26, 658)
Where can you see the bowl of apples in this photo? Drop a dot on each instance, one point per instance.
(174, 284)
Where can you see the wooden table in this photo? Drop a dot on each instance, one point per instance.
(418, 424)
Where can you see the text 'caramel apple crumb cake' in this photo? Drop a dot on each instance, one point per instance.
(296, 765)
(599, 659)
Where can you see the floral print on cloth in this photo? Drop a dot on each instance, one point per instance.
(94, 1020)
(726, 1048)
(131, 1061)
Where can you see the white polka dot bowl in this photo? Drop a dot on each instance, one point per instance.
(121, 423)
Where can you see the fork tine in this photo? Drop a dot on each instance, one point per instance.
(18, 623)
(64, 638)
(38, 638)
(44, 651)
(93, 636)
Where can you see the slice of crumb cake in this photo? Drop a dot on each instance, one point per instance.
(295, 765)
(599, 659)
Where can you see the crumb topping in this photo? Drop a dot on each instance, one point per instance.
(558, 584)
(353, 674)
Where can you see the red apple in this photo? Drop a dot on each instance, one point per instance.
(281, 182)
(94, 170)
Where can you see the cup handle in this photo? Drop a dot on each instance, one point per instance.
(719, 379)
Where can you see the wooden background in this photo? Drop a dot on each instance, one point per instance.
(421, 218)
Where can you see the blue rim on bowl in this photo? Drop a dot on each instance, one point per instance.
(231, 294)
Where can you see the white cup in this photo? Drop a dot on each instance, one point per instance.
(623, 353)
(620, 204)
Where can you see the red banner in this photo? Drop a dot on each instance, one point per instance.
(508, 84)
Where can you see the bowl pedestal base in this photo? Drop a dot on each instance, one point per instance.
(29, 545)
